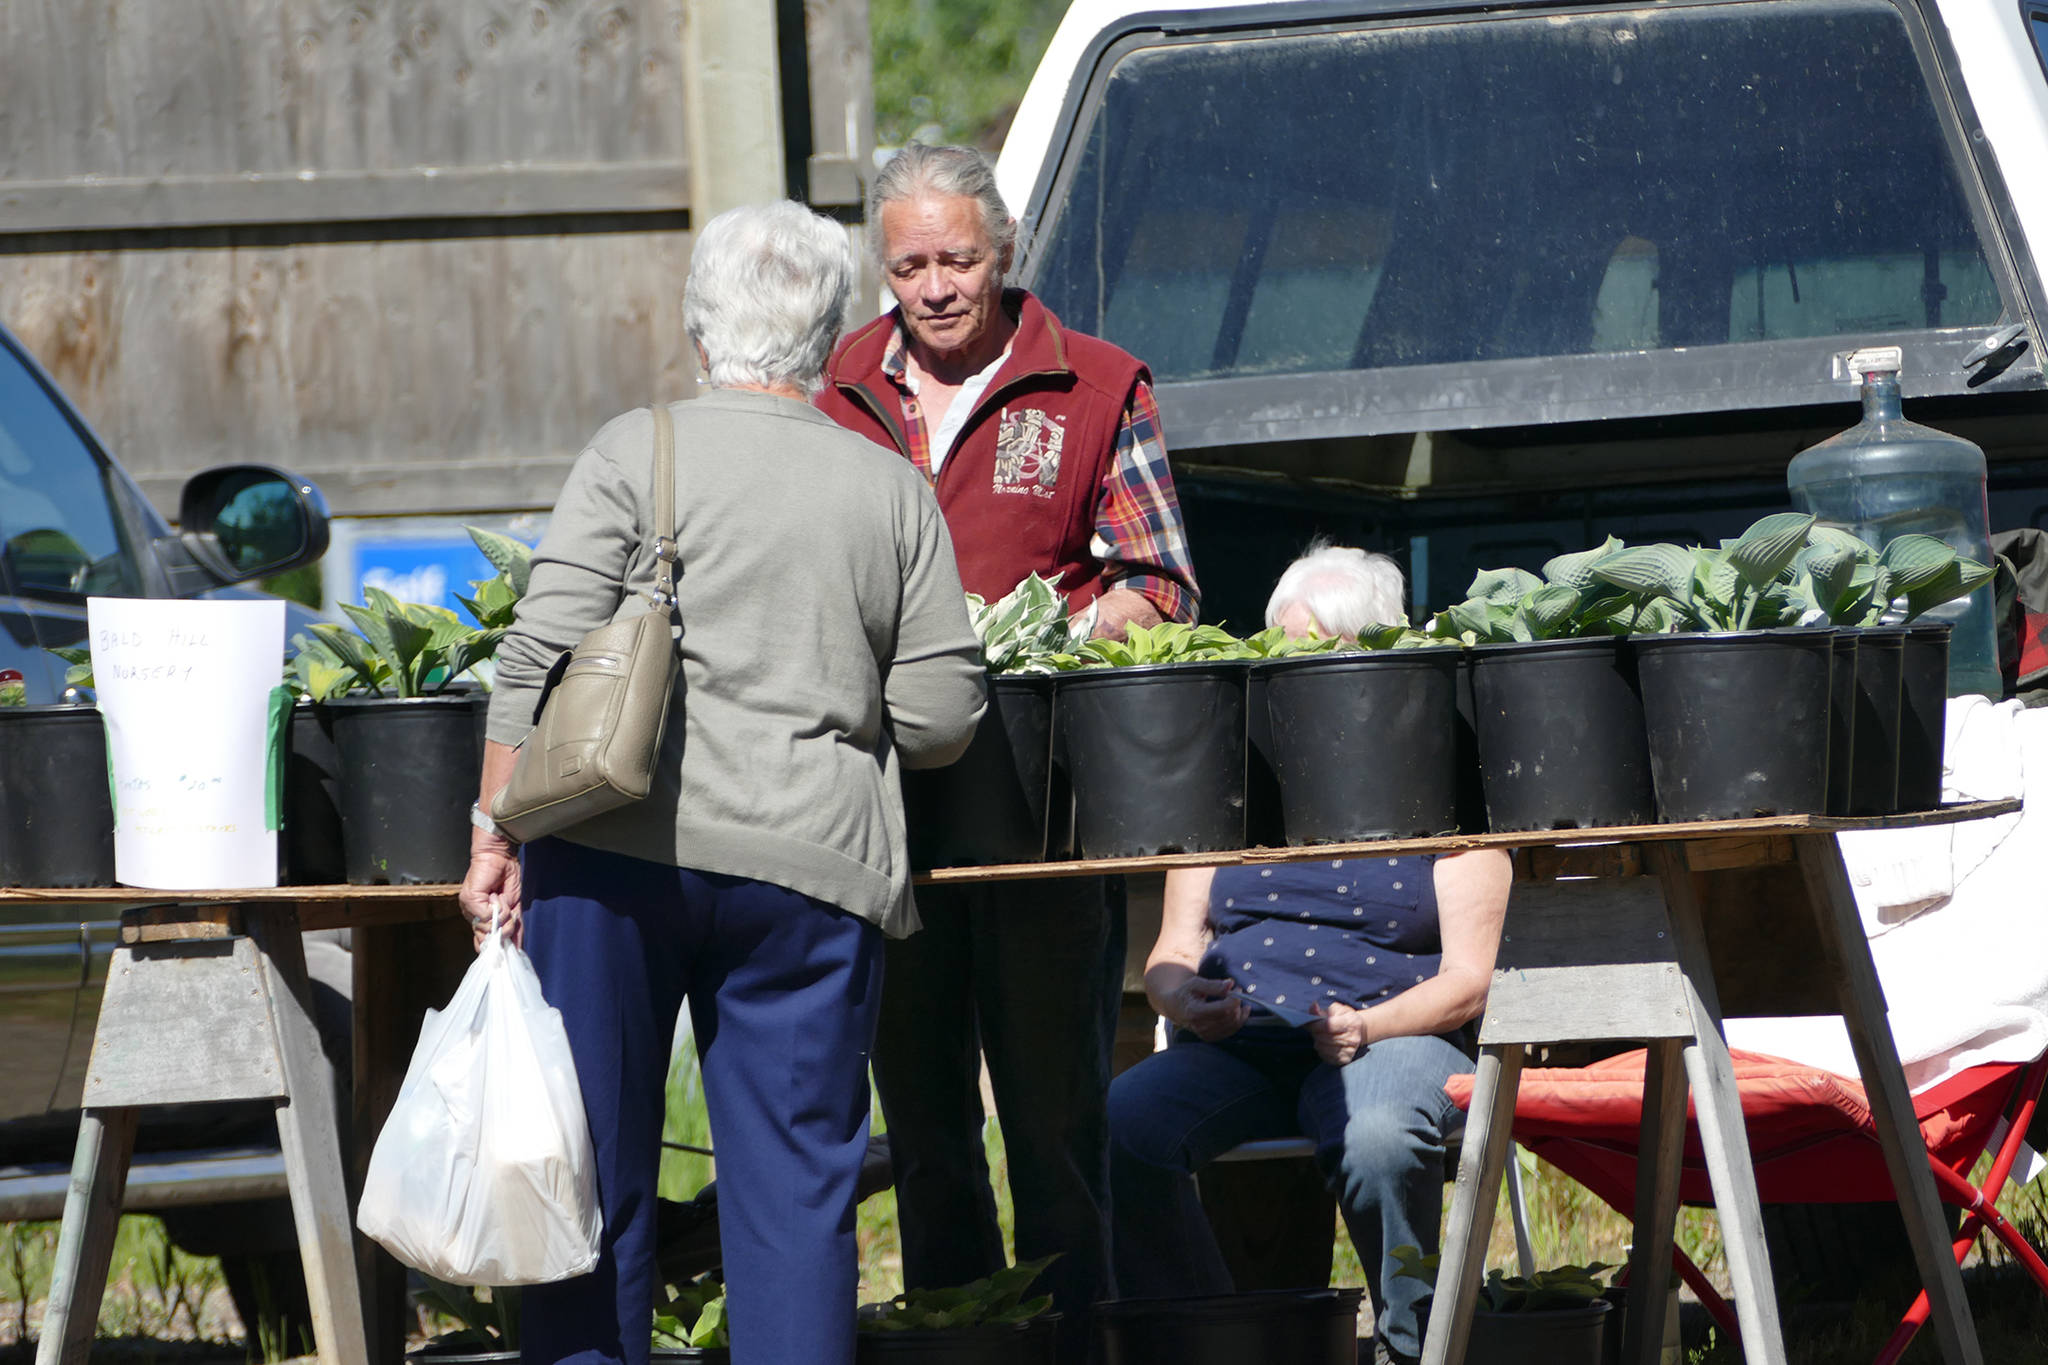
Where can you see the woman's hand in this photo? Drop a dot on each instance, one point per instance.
(1339, 1032)
(1209, 1009)
(492, 884)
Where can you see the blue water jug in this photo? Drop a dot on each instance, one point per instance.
(1886, 477)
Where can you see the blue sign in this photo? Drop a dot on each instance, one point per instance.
(432, 571)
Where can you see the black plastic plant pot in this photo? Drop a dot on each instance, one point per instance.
(1737, 722)
(1556, 1336)
(1874, 772)
(1841, 722)
(990, 806)
(310, 849)
(1272, 1327)
(1156, 755)
(1923, 713)
(409, 769)
(1560, 727)
(56, 814)
(1365, 745)
(1020, 1343)
(1465, 735)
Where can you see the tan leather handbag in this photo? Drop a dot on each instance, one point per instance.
(597, 735)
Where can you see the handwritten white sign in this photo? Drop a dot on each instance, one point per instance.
(185, 688)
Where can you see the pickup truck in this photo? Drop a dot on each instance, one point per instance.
(73, 525)
(1477, 283)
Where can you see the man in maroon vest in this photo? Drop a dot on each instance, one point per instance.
(1043, 448)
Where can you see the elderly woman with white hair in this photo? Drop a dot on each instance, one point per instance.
(824, 645)
(1327, 999)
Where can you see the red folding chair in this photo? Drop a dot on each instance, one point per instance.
(1810, 1137)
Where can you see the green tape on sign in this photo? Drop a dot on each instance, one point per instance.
(273, 776)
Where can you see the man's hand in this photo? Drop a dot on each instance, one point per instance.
(1117, 610)
(493, 876)
(1339, 1033)
(1210, 1009)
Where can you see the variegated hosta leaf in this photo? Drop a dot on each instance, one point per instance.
(1549, 610)
(1915, 561)
(1575, 571)
(1503, 587)
(1649, 571)
(1761, 553)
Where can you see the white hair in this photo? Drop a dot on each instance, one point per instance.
(767, 293)
(1345, 589)
(919, 172)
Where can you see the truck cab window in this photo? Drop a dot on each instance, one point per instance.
(59, 538)
(1449, 192)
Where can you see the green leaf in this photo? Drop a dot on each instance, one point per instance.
(1960, 578)
(1659, 570)
(1915, 561)
(1655, 617)
(510, 557)
(1762, 552)
(354, 653)
(1503, 587)
(1831, 566)
(1549, 610)
(1575, 571)
(710, 1328)
(1834, 537)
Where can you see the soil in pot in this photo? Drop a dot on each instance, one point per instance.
(1021, 1343)
(1874, 772)
(1923, 713)
(56, 814)
(409, 771)
(1365, 745)
(1737, 722)
(1273, 1327)
(1157, 756)
(1560, 726)
(1557, 1336)
(1841, 722)
(990, 806)
(309, 847)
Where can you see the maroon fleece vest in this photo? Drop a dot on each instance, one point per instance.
(1021, 487)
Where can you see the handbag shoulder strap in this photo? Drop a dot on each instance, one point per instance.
(666, 553)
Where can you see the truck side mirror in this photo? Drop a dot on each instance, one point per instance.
(243, 521)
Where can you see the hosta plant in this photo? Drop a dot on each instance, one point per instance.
(1842, 580)
(1170, 642)
(406, 649)
(996, 1300)
(1505, 605)
(692, 1315)
(1025, 631)
(1565, 1286)
(1735, 587)
(496, 598)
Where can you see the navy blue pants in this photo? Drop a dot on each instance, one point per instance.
(783, 993)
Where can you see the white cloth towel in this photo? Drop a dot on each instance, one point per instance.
(1957, 916)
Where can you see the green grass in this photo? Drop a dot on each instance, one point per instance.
(154, 1291)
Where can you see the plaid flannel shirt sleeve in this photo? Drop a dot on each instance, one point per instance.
(1139, 536)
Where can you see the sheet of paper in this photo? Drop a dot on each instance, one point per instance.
(185, 689)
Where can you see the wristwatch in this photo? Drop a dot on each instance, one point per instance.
(481, 818)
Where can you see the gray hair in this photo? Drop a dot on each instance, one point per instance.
(919, 171)
(767, 293)
(1345, 589)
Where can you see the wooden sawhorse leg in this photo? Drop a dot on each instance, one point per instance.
(1481, 1163)
(1891, 1104)
(92, 1212)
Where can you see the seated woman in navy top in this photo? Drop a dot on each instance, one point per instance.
(1326, 999)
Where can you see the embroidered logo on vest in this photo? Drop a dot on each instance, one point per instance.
(1028, 452)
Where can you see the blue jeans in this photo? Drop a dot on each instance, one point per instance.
(1378, 1126)
(1031, 975)
(783, 991)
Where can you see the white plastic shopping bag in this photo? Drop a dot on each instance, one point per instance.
(483, 1173)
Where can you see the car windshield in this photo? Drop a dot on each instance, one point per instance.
(1555, 185)
(58, 536)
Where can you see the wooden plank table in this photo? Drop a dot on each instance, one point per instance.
(1649, 932)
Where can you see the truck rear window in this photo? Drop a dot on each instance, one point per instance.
(1555, 185)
